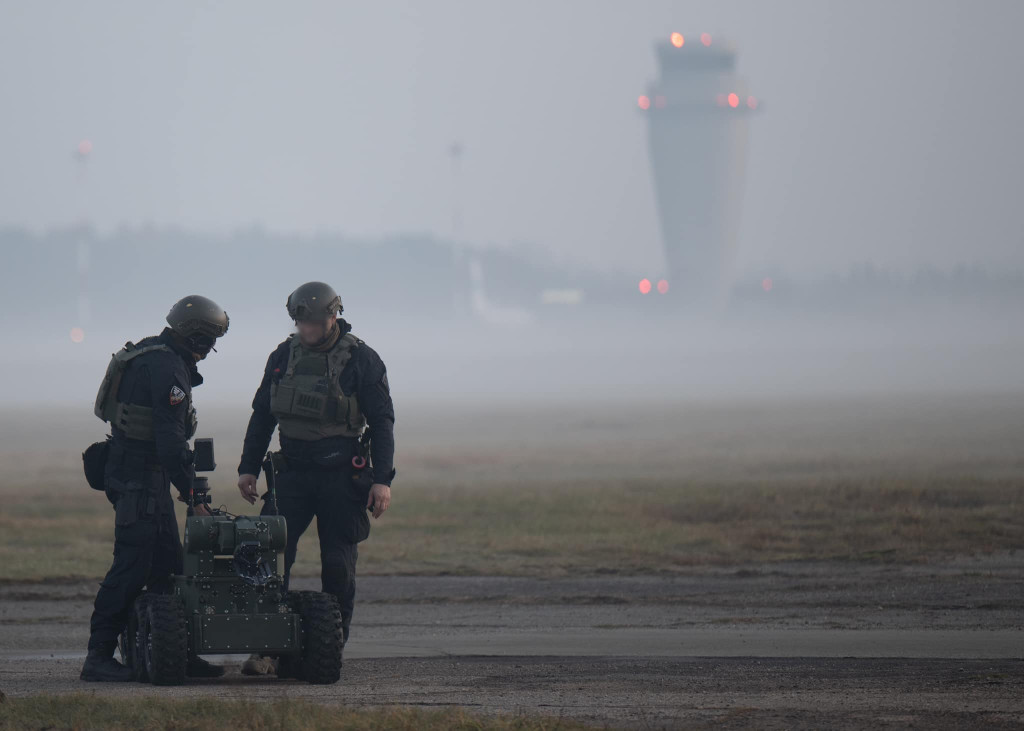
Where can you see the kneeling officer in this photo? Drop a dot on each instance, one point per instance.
(147, 398)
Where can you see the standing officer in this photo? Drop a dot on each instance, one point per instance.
(322, 387)
(147, 398)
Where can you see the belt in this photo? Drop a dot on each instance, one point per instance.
(285, 463)
(337, 462)
(134, 460)
(325, 456)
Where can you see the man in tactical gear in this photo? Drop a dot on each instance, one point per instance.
(322, 387)
(147, 398)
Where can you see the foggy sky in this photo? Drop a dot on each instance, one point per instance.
(890, 130)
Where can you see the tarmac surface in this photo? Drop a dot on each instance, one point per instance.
(823, 644)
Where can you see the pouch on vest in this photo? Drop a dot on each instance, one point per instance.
(94, 462)
(302, 404)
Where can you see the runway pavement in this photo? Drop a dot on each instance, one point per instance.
(781, 645)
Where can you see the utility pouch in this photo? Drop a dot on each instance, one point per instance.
(281, 398)
(94, 463)
(357, 522)
(135, 500)
(126, 509)
(362, 481)
(310, 405)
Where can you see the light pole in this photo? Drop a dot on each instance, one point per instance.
(82, 155)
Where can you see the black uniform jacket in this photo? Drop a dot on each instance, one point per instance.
(163, 381)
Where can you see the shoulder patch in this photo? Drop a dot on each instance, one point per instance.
(176, 396)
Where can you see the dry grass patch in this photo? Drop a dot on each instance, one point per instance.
(616, 525)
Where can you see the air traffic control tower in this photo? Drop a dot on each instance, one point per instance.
(697, 114)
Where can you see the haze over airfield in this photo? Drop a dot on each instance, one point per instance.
(890, 131)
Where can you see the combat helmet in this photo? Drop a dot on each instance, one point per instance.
(199, 320)
(314, 301)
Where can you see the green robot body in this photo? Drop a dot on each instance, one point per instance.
(229, 599)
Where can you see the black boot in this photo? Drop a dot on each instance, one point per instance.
(198, 668)
(100, 666)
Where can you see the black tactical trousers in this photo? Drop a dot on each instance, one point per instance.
(341, 522)
(147, 549)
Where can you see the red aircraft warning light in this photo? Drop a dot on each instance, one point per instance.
(645, 286)
(643, 102)
(705, 38)
(663, 286)
(677, 40)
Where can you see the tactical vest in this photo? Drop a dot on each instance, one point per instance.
(134, 420)
(308, 401)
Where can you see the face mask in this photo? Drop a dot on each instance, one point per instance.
(202, 344)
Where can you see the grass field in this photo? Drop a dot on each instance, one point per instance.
(629, 526)
(86, 711)
(526, 493)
